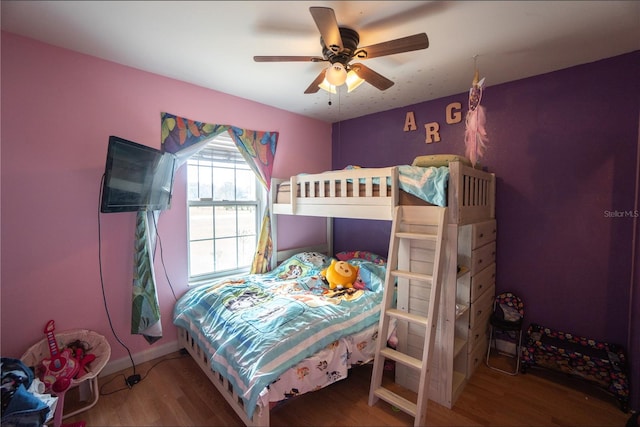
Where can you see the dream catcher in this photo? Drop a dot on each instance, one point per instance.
(475, 135)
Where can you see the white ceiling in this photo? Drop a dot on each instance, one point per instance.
(212, 43)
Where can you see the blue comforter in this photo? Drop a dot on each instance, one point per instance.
(427, 183)
(256, 327)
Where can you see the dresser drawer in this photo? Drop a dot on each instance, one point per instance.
(478, 336)
(482, 281)
(483, 233)
(481, 309)
(476, 358)
(483, 257)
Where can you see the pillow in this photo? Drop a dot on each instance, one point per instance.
(301, 265)
(313, 259)
(369, 256)
(437, 160)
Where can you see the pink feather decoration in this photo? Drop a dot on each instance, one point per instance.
(475, 134)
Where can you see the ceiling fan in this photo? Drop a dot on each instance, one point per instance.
(340, 47)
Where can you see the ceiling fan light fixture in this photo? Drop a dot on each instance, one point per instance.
(340, 47)
(353, 81)
(325, 85)
(336, 74)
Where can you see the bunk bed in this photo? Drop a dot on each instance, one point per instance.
(359, 193)
(469, 193)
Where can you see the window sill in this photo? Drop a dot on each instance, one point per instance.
(214, 279)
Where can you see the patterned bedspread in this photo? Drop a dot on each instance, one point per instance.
(258, 326)
(323, 368)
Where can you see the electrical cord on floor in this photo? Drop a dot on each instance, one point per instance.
(164, 267)
(134, 378)
(140, 379)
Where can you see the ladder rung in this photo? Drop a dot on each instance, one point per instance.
(416, 236)
(426, 222)
(411, 275)
(396, 400)
(401, 358)
(403, 315)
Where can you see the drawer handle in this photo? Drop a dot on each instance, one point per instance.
(481, 235)
(479, 313)
(480, 287)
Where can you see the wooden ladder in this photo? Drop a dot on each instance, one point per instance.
(412, 226)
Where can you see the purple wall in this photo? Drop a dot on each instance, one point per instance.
(564, 148)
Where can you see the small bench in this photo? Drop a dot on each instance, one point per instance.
(599, 363)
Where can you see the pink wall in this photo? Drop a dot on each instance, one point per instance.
(58, 110)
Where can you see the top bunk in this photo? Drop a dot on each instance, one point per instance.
(373, 193)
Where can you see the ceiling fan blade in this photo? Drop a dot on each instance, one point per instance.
(313, 87)
(405, 44)
(367, 74)
(287, 59)
(327, 24)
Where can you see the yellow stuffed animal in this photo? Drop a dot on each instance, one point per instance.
(340, 274)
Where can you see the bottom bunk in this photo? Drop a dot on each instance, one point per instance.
(313, 373)
(226, 389)
(262, 339)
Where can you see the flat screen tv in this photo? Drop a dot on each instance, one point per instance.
(136, 177)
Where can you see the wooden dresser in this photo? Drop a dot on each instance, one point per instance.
(478, 251)
(466, 304)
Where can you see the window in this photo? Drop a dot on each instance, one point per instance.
(224, 205)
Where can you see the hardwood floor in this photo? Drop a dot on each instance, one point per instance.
(174, 392)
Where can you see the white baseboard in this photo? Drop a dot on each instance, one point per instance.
(144, 356)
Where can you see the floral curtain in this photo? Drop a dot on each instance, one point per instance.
(259, 149)
(184, 135)
(145, 311)
(184, 138)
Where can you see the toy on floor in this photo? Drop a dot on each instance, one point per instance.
(60, 387)
(61, 364)
(57, 371)
(81, 353)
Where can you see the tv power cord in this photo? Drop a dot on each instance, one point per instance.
(133, 380)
